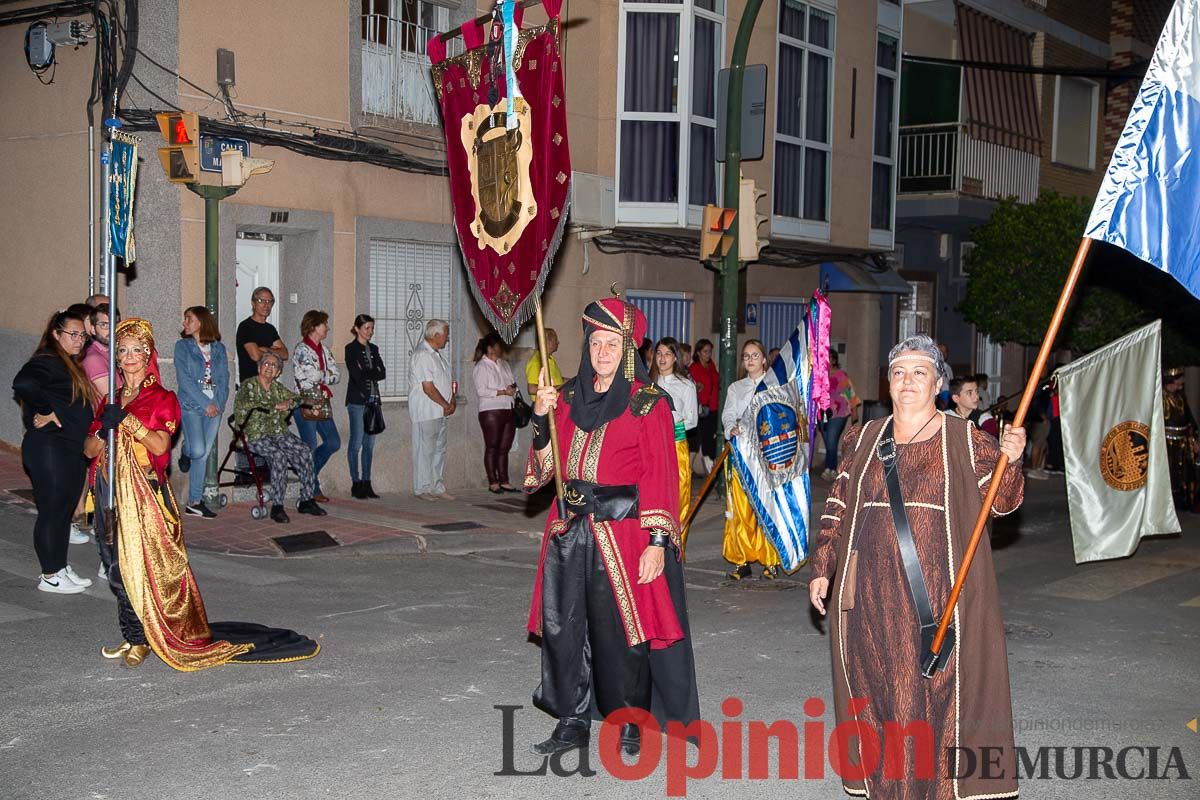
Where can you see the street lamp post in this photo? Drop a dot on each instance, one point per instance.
(213, 195)
(730, 265)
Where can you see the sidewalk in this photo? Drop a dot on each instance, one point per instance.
(475, 521)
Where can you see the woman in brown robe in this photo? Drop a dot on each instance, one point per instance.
(944, 466)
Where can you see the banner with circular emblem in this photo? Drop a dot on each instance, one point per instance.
(1114, 446)
(504, 118)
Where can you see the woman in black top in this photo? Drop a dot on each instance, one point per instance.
(57, 406)
(366, 369)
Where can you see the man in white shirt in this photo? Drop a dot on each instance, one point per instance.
(430, 400)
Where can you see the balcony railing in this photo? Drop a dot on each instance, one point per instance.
(945, 158)
(395, 69)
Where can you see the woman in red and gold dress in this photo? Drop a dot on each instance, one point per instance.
(609, 600)
(159, 605)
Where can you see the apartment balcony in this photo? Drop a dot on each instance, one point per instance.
(395, 70)
(944, 158)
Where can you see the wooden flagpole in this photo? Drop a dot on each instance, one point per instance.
(1043, 356)
(708, 482)
(554, 454)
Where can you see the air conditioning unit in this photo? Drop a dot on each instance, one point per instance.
(593, 200)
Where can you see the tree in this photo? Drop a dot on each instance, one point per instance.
(1017, 269)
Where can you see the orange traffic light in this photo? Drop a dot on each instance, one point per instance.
(716, 233)
(181, 159)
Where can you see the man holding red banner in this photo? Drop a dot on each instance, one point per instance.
(609, 600)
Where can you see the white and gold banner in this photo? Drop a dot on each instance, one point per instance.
(1118, 483)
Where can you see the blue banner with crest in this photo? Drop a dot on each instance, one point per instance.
(122, 182)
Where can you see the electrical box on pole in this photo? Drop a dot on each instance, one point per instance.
(749, 219)
(181, 157)
(716, 233)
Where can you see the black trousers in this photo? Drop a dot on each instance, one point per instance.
(583, 638)
(705, 435)
(57, 471)
(131, 626)
(498, 431)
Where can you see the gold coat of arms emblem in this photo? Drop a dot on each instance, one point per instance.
(499, 159)
(1125, 456)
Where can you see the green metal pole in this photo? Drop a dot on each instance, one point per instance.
(733, 172)
(213, 195)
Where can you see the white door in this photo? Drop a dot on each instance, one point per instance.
(257, 265)
(987, 360)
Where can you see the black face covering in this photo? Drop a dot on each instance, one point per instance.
(589, 408)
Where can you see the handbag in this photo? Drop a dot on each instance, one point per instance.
(373, 423)
(315, 406)
(522, 411)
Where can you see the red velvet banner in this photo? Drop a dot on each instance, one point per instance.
(510, 182)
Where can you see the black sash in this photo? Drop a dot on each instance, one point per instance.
(604, 502)
(929, 663)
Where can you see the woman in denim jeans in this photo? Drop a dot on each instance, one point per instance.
(315, 371)
(202, 372)
(365, 368)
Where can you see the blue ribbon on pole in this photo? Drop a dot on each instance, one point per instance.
(508, 12)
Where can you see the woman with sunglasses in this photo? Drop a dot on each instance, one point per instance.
(57, 402)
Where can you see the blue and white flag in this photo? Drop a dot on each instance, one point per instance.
(773, 453)
(1147, 202)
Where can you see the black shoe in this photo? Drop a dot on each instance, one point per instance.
(569, 734)
(631, 739)
(199, 510)
(356, 491)
(369, 491)
(279, 515)
(512, 489)
(185, 463)
(497, 490)
(311, 507)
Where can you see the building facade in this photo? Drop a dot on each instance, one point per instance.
(969, 136)
(328, 229)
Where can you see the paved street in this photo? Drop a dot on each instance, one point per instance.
(422, 633)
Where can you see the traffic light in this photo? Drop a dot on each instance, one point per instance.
(716, 234)
(181, 158)
(748, 220)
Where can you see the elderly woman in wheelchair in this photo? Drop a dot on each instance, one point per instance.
(267, 435)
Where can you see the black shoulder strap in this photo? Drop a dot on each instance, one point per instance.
(887, 454)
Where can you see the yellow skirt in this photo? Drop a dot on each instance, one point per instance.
(745, 541)
(685, 485)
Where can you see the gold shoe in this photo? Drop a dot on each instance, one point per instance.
(136, 655)
(770, 573)
(739, 572)
(115, 652)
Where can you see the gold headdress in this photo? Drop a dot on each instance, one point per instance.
(138, 328)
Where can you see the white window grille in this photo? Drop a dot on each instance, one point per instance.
(915, 310)
(1075, 112)
(667, 314)
(803, 119)
(395, 66)
(670, 53)
(777, 319)
(883, 163)
(410, 285)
